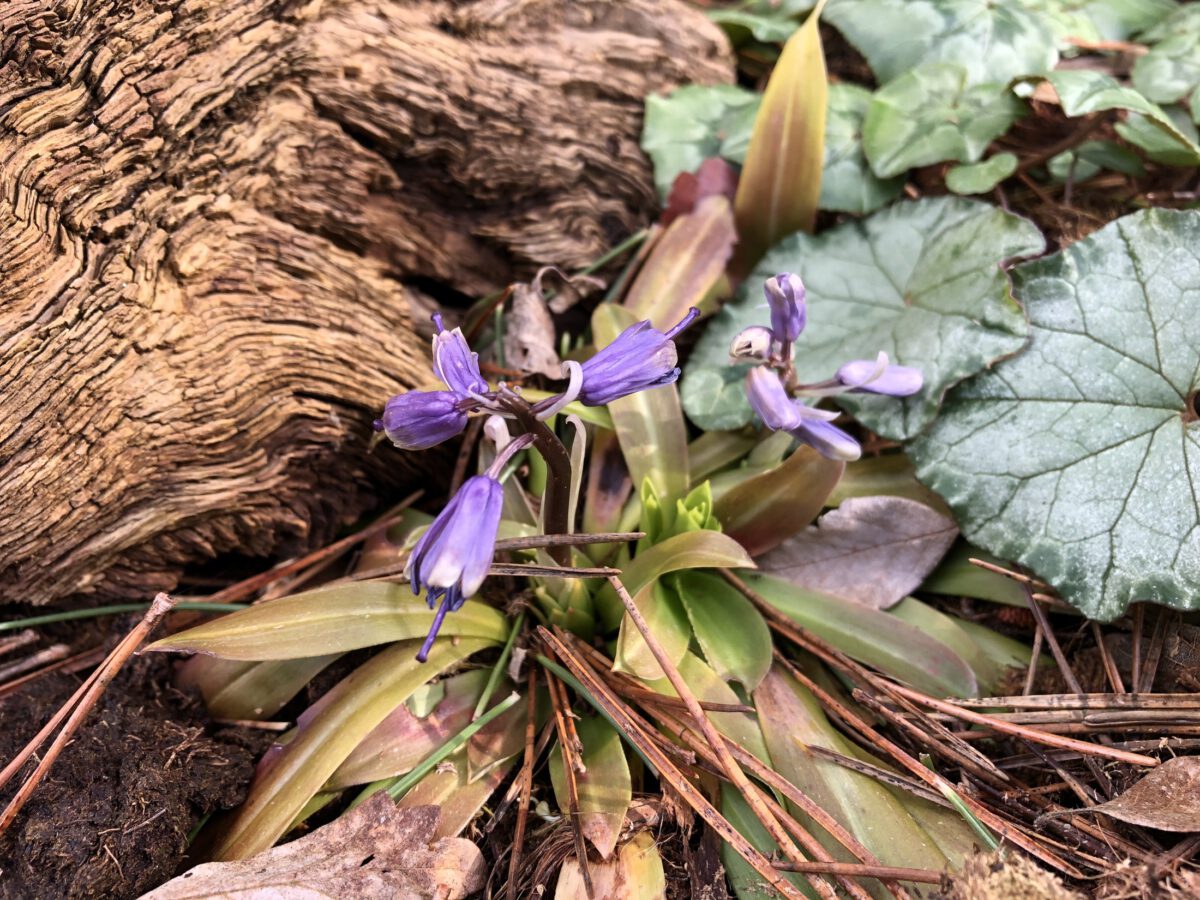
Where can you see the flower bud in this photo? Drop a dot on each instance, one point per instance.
(786, 297)
(752, 343)
(454, 362)
(868, 375)
(419, 420)
(640, 357)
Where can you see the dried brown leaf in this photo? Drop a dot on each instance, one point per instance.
(529, 334)
(1168, 798)
(870, 550)
(377, 850)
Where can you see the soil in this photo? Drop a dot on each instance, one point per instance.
(113, 816)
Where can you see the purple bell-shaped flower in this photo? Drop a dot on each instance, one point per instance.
(640, 357)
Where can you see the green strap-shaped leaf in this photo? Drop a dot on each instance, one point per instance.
(332, 620)
(363, 700)
(605, 789)
(731, 632)
(921, 281)
(1081, 456)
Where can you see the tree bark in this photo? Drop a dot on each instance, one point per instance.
(208, 213)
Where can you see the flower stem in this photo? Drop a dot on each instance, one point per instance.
(556, 502)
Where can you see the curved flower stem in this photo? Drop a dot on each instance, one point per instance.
(557, 501)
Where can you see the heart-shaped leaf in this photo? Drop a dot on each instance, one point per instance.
(994, 41)
(1080, 457)
(693, 123)
(1083, 91)
(921, 281)
(981, 177)
(1171, 69)
(848, 184)
(933, 113)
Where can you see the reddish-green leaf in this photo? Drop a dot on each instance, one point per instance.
(767, 508)
(605, 789)
(781, 178)
(686, 266)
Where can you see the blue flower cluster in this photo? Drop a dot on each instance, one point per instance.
(771, 387)
(452, 558)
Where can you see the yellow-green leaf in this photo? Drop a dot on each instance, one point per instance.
(690, 550)
(332, 620)
(361, 702)
(781, 179)
(605, 789)
(649, 424)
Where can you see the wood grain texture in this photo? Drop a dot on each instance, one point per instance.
(208, 213)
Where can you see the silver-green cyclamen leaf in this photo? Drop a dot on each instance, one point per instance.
(921, 281)
(933, 113)
(995, 41)
(1080, 457)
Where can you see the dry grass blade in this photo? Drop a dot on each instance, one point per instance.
(557, 540)
(1033, 845)
(806, 839)
(87, 696)
(662, 762)
(568, 743)
(727, 763)
(1041, 737)
(1086, 701)
(883, 873)
(525, 780)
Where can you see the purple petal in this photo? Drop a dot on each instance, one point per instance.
(828, 440)
(454, 362)
(895, 381)
(418, 420)
(789, 310)
(770, 401)
(640, 357)
(465, 540)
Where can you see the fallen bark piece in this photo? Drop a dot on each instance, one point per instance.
(213, 216)
(377, 850)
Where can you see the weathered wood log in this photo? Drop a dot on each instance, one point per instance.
(208, 211)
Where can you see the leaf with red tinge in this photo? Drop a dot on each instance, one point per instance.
(767, 508)
(377, 850)
(713, 177)
(686, 266)
(870, 550)
(1168, 798)
(781, 179)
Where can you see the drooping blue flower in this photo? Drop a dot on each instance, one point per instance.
(454, 362)
(779, 412)
(789, 310)
(878, 377)
(418, 420)
(452, 558)
(640, 357)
